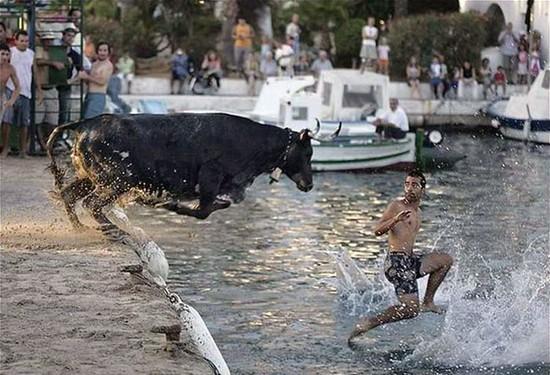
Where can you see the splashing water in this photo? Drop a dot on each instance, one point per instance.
(505, 325)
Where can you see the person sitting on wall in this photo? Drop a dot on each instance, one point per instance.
(393, 124)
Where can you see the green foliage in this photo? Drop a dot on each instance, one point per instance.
(104, 30)
(457, 36)
(348, 41)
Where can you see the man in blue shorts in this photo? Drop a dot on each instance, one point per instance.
(402, 267)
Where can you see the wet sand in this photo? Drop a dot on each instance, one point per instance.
(65, 306)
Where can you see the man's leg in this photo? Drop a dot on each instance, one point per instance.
(23, 135)
(5, 139)
(437, 265)
(408, 308)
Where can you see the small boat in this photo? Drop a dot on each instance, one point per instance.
(525, 117)
(342, 96)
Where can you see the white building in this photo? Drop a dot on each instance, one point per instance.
(500, 12)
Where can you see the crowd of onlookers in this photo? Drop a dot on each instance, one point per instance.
(61, 60)
(64, 57)
(518, 67)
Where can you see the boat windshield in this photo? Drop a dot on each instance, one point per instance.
(357, 96)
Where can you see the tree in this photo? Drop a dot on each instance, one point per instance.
(401, 8)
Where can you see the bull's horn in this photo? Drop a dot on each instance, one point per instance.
(317, 128)
(331, 137)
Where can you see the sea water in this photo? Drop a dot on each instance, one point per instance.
(264, 273)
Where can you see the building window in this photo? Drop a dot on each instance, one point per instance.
(327, 89)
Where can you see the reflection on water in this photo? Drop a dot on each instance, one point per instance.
(263, 273)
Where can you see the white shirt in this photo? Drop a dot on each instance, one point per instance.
(22, 62)
(398, 118)
(370, 33)
(293, 30)
(284, 54)
(383, 52)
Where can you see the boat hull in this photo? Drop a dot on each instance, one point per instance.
(364, 154)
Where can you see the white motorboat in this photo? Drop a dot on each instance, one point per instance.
(525, 117)
(342, 95)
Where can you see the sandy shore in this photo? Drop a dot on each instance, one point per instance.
(65, 306)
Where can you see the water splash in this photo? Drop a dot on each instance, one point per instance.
(504, 324)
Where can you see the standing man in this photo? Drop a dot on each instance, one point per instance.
(48, 68)
(293, 30)
(73, 62)
(7, 97)
(98, 80)
(22, 59)
(321, 63)
(402, 267)
(243, 34)
(509, 48)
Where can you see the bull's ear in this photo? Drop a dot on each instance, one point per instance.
(305, 134)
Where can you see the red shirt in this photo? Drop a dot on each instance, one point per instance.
(500, 77)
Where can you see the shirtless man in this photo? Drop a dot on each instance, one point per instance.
(402, 267)
(98, 80)
(7, 97)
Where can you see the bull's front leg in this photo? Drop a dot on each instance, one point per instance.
(210, 179)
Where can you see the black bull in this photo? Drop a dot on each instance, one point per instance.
(209, 156)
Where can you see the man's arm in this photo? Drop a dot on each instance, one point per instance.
(16, 85)
(390, 218)
(39, 93)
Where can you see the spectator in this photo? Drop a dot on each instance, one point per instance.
(321, 63)
(534, 64)
(413, 77)
(455, 79)
(212, 67)
(284, 56)
(126, 68)
(302, 67)
(180, 70)
(265, 47)
(383, 31)
(22, 59)
(7, 96)
(393, 124)
(293, 30)
(444, 76)
(268, 66)
(73, 64)
(486, 74)
(368, 53)
(522, 65)
(435, 76)
(243, 34)
(47, 69)
(509, 49)
(252, 71)
(89, 48)
(98, 80)
(3, 33)
(500, 80)
(114, 88)
(383, 56)
(467, 80)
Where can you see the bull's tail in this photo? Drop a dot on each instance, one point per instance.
(58, 173)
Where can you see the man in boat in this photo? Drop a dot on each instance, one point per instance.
(402, 267)
(393, 124)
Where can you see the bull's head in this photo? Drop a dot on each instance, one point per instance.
(298, 160)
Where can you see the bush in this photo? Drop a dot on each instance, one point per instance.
(348, 42)
(104, 30)
(457, 36)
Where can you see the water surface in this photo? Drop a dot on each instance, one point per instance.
(263, 273)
